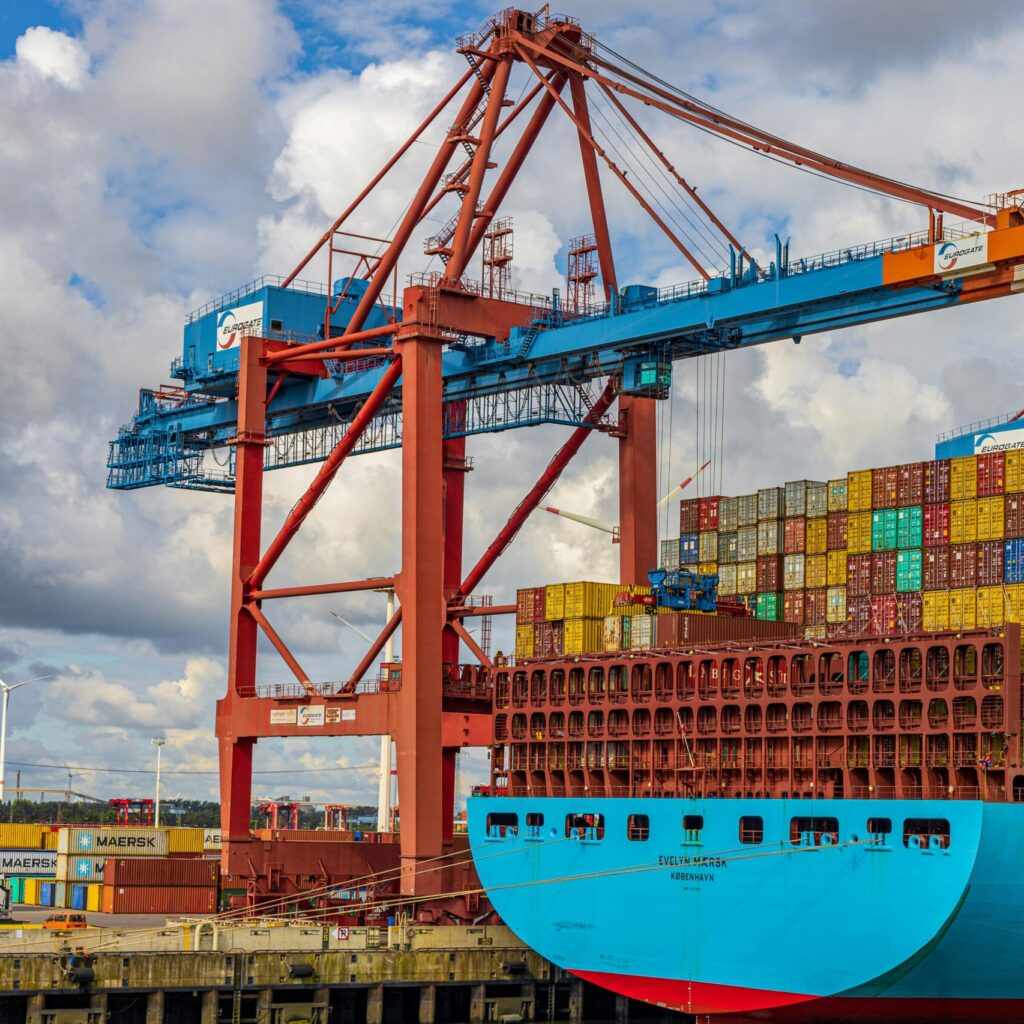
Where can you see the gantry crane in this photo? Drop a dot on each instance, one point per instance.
(284, 372)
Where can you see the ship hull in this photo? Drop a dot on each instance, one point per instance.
(868, 927)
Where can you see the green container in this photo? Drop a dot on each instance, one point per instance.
(17, 887)
(908, 570)
(909, 526)
(883, 529)
(769, 605)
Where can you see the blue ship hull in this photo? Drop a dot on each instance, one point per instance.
(870, 926)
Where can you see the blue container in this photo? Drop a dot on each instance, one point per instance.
(79, 897)
(357, 836)
(46, 893)
(1013, 561)
(688, 548)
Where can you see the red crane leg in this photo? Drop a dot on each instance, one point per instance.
(420, 588)
(638, 489)
(236, 752)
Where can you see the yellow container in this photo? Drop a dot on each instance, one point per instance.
(583, 636)
(31, 891)
(816, 570)
(835, 611)
(990, 518)
(836, 572)
(858, 492)
(1013, 472)
(935, 610)
(746, 577)
(963, 522)
(816, 537)
(858, 533)
(963, 478)
(185, 840)
(991, 609)
(963, 608)
(554, 598)
(21, 837)
(708, 568)
(1013, 601)
(524, 641)
(94, 896)
(814, 632)
(593, 600)
(837, 499)
(50, 840)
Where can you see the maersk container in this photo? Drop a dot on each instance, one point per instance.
(728, 549)
(28, 863)
(769, 607)
(908, 570)
(883, 529)
(909, 527)
(689, 548)
(728, 515)
(1013, 560)
(837, 495)
(79, 869)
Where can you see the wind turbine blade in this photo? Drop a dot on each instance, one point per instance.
(355, 629)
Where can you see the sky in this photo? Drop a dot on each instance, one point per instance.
(158, 153)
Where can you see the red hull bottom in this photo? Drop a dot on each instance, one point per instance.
(737, 1005)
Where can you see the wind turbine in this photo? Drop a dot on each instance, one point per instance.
(8, 689)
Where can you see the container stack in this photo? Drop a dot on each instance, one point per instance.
(895, 549)
(28, 862)
(160, 885)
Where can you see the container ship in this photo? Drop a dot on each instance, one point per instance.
(755, 818)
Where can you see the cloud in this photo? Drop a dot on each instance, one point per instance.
(53, 55)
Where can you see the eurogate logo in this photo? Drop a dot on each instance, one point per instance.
(1000, 441)
(961, 254)
(234, 324)
(948, 255)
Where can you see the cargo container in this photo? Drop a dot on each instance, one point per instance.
(746, 577)
(835, 526)
(524, 605)
(524, 640)
(689, 548)
(611, 633)
(991, 474)
(858, 616)
(769, 607)
(817, 499)
(837, 495)
(858, 491)
(883, 572)
(771, 503)
(158, 900)
(707, 568)
(582, 636)
(590, 600)
(30, 891)
(793, 572)
(800, 495)
(990, 606)
(198, 871)
(935, 610)
(728, 549)
(47, 893)
(883, 614)
(816, 605)
(793, 607)
(707, 514)
(1014, 482)
(909, 570)
(963, 522)
(746, 544)
(816, 536)
(641, 632)
(935, 520)
(858, 532)
(1013, 561)
(185, 840)
(746, 510)
(21, 837)
(669, 555)
(935, 568)
(1013, 515)
(727, 581)
(548, 639)
(539, 604)
(909, 527)
(910, 484)
(990, 563)
(769, 572)
(963, 608)
(909, 612)
(815, 571)
(682, 629)
(16, 886)
(963, 478)
(990, 518)
(689, 516)
(836, 569)
(36, 863)
(77, 868)
(707, 547)
(858, 575)
(835, 609)
(554, 603)
(122, 842)
(963, 565)
(94, 897)
(794, 535)
(1013, 596)
(769, 536)
(936, 482)
(884, 487)
(728, 515)
(814, 632)
(883, 529)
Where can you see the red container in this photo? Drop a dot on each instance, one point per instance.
(909, 612)
(836, 531)
(990, 562)
(816, 606)
(936, 525)
(793, 607)
(910, 484)
(858, 575)
(794, 535)
(991, 474)
(963, 565)
(689, 515)
(540, 603)
(547, 639)
(858, 616)
(769, 573)
(883, 572)
(1013, 512)
(158, 899)
(682, 629)
(524, 605)
(935, 568)
(162, 871)
(936, 481)
(885, 486)
(883, 614)
(707, 515)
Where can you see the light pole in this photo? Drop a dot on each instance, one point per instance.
(7, 688)
(158, 742)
